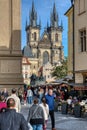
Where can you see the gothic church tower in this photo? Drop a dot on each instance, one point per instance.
(33, 31)
(55, 35)
(48, 47)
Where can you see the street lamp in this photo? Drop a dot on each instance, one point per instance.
(72, 3)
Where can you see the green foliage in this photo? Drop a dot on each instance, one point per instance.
(60, 71)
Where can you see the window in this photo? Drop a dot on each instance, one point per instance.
(81, 6)
(26, 76)
(26, 67)
(35, 36)
(45, 57)
(56, 37)
(83, 40)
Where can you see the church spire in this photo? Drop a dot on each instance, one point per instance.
(33, 16)
(26, 24)
(61, 24)
(54, 17)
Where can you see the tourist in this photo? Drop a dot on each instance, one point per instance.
(50, 101)
(11, 120)
(46, 111)
(29, 95)
(36, 116)
(17, 100)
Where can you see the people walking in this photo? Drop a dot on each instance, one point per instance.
(5, 93)
(36, 115)
(11, 120)
(40, 94)
(29, 95)
(50, 101)
(17, 100)
(46, 111)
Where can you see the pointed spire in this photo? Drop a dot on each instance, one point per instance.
(47, 24)
(40, 22)
(26, 24)
(54, 17)
(33, 16)
(61, 24)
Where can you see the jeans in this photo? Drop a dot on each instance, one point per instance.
(29, 99)
(37, 127)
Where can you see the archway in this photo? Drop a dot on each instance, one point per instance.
(45, 57)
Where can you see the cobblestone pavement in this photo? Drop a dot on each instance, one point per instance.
(63, 122)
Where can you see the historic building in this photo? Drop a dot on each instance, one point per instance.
(48, 47)
(10, 44)
(69, 14)
(78, 14)
(26, 70)
(80, 33)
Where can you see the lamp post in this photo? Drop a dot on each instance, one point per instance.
(72, 3)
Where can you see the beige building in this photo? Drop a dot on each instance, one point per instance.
(26, 71)
(69, 14)
(10, 44)
(79, 13)
(29, 67)
(80, 33)
(47, 70)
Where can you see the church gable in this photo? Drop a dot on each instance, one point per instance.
(45, 39)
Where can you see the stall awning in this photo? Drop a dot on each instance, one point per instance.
(80, 88)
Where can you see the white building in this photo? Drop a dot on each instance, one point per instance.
(26, 70)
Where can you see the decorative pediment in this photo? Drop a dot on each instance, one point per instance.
(45, 39)
(45, 36)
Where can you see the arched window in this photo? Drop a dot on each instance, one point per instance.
(35, 36)
(56, 37)
(39, 53)
(45, 57)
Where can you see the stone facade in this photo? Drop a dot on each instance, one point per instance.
(10, 44)
(69, 14)
(26, 70)
(47, 48)
(80, 41)
(80, 33)
(47, 70)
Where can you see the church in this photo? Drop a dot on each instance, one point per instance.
(47, 48)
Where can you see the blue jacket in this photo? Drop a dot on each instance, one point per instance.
(50, 101)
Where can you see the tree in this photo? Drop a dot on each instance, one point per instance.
(60, 71)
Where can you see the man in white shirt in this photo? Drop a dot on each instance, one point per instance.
(17, 100)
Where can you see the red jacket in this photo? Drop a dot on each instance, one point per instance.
(3, 105)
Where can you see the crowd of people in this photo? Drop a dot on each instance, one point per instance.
(41, 103)
(41, 106)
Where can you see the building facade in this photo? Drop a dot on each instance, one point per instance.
(80, 33)
(47, 48)
(10, 44)
(26, 70)
(69, 14)
(47, 70)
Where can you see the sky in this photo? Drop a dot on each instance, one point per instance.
(43, 9)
